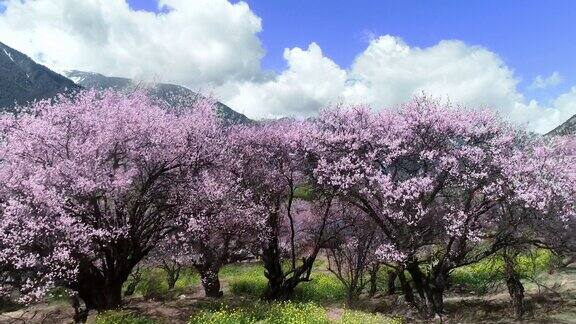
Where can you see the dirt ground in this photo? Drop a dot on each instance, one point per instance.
(552, 301)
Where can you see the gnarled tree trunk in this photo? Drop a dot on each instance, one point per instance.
(406, 289)
(272, 263)
(430, 287)
(515, 287)
(100, 295)
(101, 289)
(172, 271)
(210, 281)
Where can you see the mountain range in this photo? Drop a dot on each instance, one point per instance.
(169, 93)
(568, 127)
(23, 81)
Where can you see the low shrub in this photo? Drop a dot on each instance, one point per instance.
(357, 317)
(261, 312)
(249, 283)
(188, 278)
(480, 277)
(322, 288)
(153, 284)
(121, 317)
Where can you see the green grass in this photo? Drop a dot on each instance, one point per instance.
(188, 278)
(357, 317)
(261, 312)
(153, 283)
(284, 312)
(249, 280)
(250, 284)
(121, 317)
(236, 269)
(245, 278)
(480, 276)
(323, 288)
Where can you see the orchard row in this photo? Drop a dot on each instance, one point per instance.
(93, 187)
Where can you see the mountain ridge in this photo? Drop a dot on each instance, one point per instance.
(566, 128)
(170, 93)
(23, 81)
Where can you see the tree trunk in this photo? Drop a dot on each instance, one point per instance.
(430, 287)
(171, 277)
(408, 293)
(101, 289)
(417, 279)
(515, 287)
(391, 282)
(101, 297)
(373, 280)
(210, 282)
(352, 296)
(281, 286)
(80, 313)
(437, 286)
(272, 264)
(436, 300)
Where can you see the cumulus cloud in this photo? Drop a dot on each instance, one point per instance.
(544, 82)
(200, 43)
(310, 81)
(214, 44)
(389, 72)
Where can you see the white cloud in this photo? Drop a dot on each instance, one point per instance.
(311, 81)
(550, 81)
(196, 43)
(392, 72)
(389, 72)
(214, 44)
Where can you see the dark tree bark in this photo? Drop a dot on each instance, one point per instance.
(102, 296)
(101, 288)
(406, 289)
(515, 287)
(430, 287)
(80, 312)
(171, 279)
(210, 281)
(391, 289)
(373, 279)
(281, 285)
(272, 263)
(172, 272)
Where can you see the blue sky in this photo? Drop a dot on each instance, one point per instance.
(532, 37)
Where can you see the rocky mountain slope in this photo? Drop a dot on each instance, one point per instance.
(568, 127)
(22, 80)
